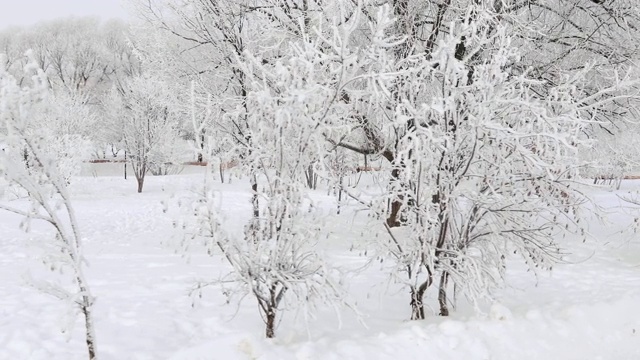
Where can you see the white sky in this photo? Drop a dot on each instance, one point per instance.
(27, 12)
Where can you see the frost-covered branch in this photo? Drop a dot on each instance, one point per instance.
(27, 163)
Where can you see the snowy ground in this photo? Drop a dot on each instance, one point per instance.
(587, 308)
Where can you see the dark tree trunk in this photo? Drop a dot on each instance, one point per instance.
(417, 307)
(254, 197)
(442, 294)
(140, 180)
(200, 154)
(340, 193)
(254, 222)
(125, 164)
(417, 294)
(85, 308)
(91, 346)
(311, 177)
(307, 175)
(394, 216)
(393, 219)
(271, 323)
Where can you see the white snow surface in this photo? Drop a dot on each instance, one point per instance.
(587, 308)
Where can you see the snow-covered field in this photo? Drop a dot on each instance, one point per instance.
(587, 308)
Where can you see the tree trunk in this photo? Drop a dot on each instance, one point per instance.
(254, 197)
(85, 308)
(393, 220)
(221, 171)
(271, 323)
(125, 164)
(140, 180)
(394, 216)
(201, 153)
(310, 174)
(89, 330)
(417, 306)
(340, 193)
(25, 157)
(442, 294)
(254, 225)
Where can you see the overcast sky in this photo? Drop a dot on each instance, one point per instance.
(27, 12)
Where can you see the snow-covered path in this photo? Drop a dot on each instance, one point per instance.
(587, 308)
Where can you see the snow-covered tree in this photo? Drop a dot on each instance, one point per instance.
(470, 104)
(482, 153)
(145, 113)
(82, 58)
(210, 52)
(484, 168)
(67, 128)
(275, 260)
(615, 154)
(28, 162)
(392, 111)
(210, 49)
